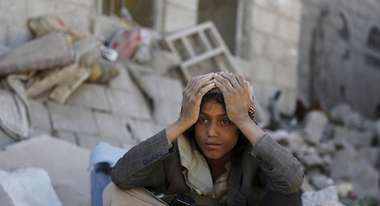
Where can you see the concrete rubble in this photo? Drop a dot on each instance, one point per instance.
(127, 100)
(30, 186)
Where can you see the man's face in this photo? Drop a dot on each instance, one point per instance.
(215, 134)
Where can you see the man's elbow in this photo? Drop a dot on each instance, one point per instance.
(295, 182)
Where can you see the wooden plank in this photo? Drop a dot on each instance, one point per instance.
(188, 46)
(188, 32)
(202, 57)
(205, 41)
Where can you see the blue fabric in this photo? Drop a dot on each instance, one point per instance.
(99, 181)
(102, 153)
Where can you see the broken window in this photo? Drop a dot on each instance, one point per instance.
(140, 10)
(223, 13)
(373, 44)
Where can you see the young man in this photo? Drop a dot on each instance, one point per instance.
(214, 154)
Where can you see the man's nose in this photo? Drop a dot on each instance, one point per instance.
(212, 130)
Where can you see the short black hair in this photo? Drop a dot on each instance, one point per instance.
(217, 96)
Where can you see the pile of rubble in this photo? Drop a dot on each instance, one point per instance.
(340, 153)
(116, 85)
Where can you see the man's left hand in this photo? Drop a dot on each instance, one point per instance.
(237, 94)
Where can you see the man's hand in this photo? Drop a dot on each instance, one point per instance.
(191, 102)
(237, 94)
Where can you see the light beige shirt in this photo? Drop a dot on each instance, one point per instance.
(198, 174)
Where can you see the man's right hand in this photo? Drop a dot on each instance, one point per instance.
(191, 101)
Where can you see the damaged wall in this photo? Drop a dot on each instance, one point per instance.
(14, 15)
(274, 37)
(339, 61)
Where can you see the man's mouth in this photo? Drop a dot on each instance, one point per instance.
(212, 146)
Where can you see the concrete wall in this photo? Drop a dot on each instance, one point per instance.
(333, 65)
(14, 15)
(271, 27)
(275, 27)
(179, 14)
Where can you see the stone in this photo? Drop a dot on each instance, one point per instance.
(348, 165)
(325, 197)
(5, 140)
(315, 123)
(65, 163)
(39, 115)
(372, 154)
(128, 104)
(38, 54)
(166, 112)
(90, 96)
(345, 115)
(321, 181)
(112, 127)
(69, 118)
(66, 136)
(4, 198)
(164, 60)
(142, 130)
(13, 116)
(359, 139)
(30, 186)
(123, 80)
(162, 88)
(311, 160)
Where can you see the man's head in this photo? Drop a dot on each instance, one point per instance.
(214, 133)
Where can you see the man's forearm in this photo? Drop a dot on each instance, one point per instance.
(176, 129)
(250, 130)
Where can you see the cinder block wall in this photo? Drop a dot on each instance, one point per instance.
(14, 15)
(275, 27)
(273, 31)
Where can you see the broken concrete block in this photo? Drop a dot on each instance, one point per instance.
(345, 115)
(348, 165)
(4, 198)
(325, 197)
(30, 187)
(162, 61)
(372, 154)
(13, 116)
(65, 163)
(69, 118)
(90, 96)
(157, 87)
(5, 140)
(359, 139)
(320, 181)
(39, 115)
(123, 81)
(66, 136)
(166, 112)
(315, 124)
(112, 127)
(142, 130)
(128, 104)
(49, 51)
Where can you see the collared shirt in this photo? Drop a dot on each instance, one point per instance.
(198, 174)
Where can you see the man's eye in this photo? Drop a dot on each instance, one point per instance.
(203, 120)
(225, 122)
